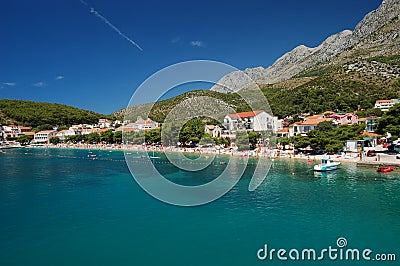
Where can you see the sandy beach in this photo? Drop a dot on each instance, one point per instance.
(381, 159)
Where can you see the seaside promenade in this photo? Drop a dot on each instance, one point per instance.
(381, 159)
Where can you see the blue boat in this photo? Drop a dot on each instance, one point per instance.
(326, 165)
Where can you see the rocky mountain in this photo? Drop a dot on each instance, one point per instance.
(303, 58)
(348, 72)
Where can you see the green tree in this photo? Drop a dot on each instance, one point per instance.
(134, 137)
(330, 140)
(334, 146)
(117, 137)
(223, 141)
(192, 131)
(370, 112)
(170, 134)
(92, 138)
(325, 126)
(318, 139)
(153, 136)
(254, 137)
(25, 140)
(283, 141)
(206, 140)
(54, 140)
(39, 114)
(242, 140)
(43, 127)
(301, 142)
(390, 122)
(74, 138)
(64, 127)
(107, 136)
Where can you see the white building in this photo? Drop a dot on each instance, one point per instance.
(385, 105)
(11, 131)
(128, 128)
(87, 131)
(284, 132)
(252, 121)
(65, 133)
(78, 129)
(147, 124)
(302, 128)
(104, 123)
(44, 136)
(117, 122)
(139, 125)
(214, 131)
(14, 131)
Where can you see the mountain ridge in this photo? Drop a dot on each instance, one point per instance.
(302, 57)
(348, 81)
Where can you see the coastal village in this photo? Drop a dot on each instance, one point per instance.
(168, 133)
(233, 124)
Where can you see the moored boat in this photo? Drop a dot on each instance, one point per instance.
(326, 165)
(385, 169)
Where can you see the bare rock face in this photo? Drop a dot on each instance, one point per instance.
(302, 57)
(388, 10)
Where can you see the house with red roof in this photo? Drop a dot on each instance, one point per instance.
(385, 105)
(345, 119)
(251, 121)
(104, 123)
(44, 136)
(140, 124)
(284, 132)
(14, 131)
(63, 134)
(131, 127)
(147, 124)
(310, 123)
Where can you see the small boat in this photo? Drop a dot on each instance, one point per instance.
(326, 165)
(154, 157)
(385, 169)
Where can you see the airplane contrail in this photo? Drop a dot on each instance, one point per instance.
(83, 2)
(108, 23)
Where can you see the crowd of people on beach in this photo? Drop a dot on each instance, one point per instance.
(259, 152)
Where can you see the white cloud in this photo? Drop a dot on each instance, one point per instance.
(10, 84)
(197, 43)
(40, 84)
(59, 77)
(176, 40)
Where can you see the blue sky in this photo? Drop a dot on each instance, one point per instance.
(59, 51)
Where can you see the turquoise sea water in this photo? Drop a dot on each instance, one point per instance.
(59, 207)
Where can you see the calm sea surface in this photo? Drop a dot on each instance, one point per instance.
(60, 207)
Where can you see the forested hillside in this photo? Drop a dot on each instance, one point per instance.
(36, 114)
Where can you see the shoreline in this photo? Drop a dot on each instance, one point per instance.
(381, 159)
